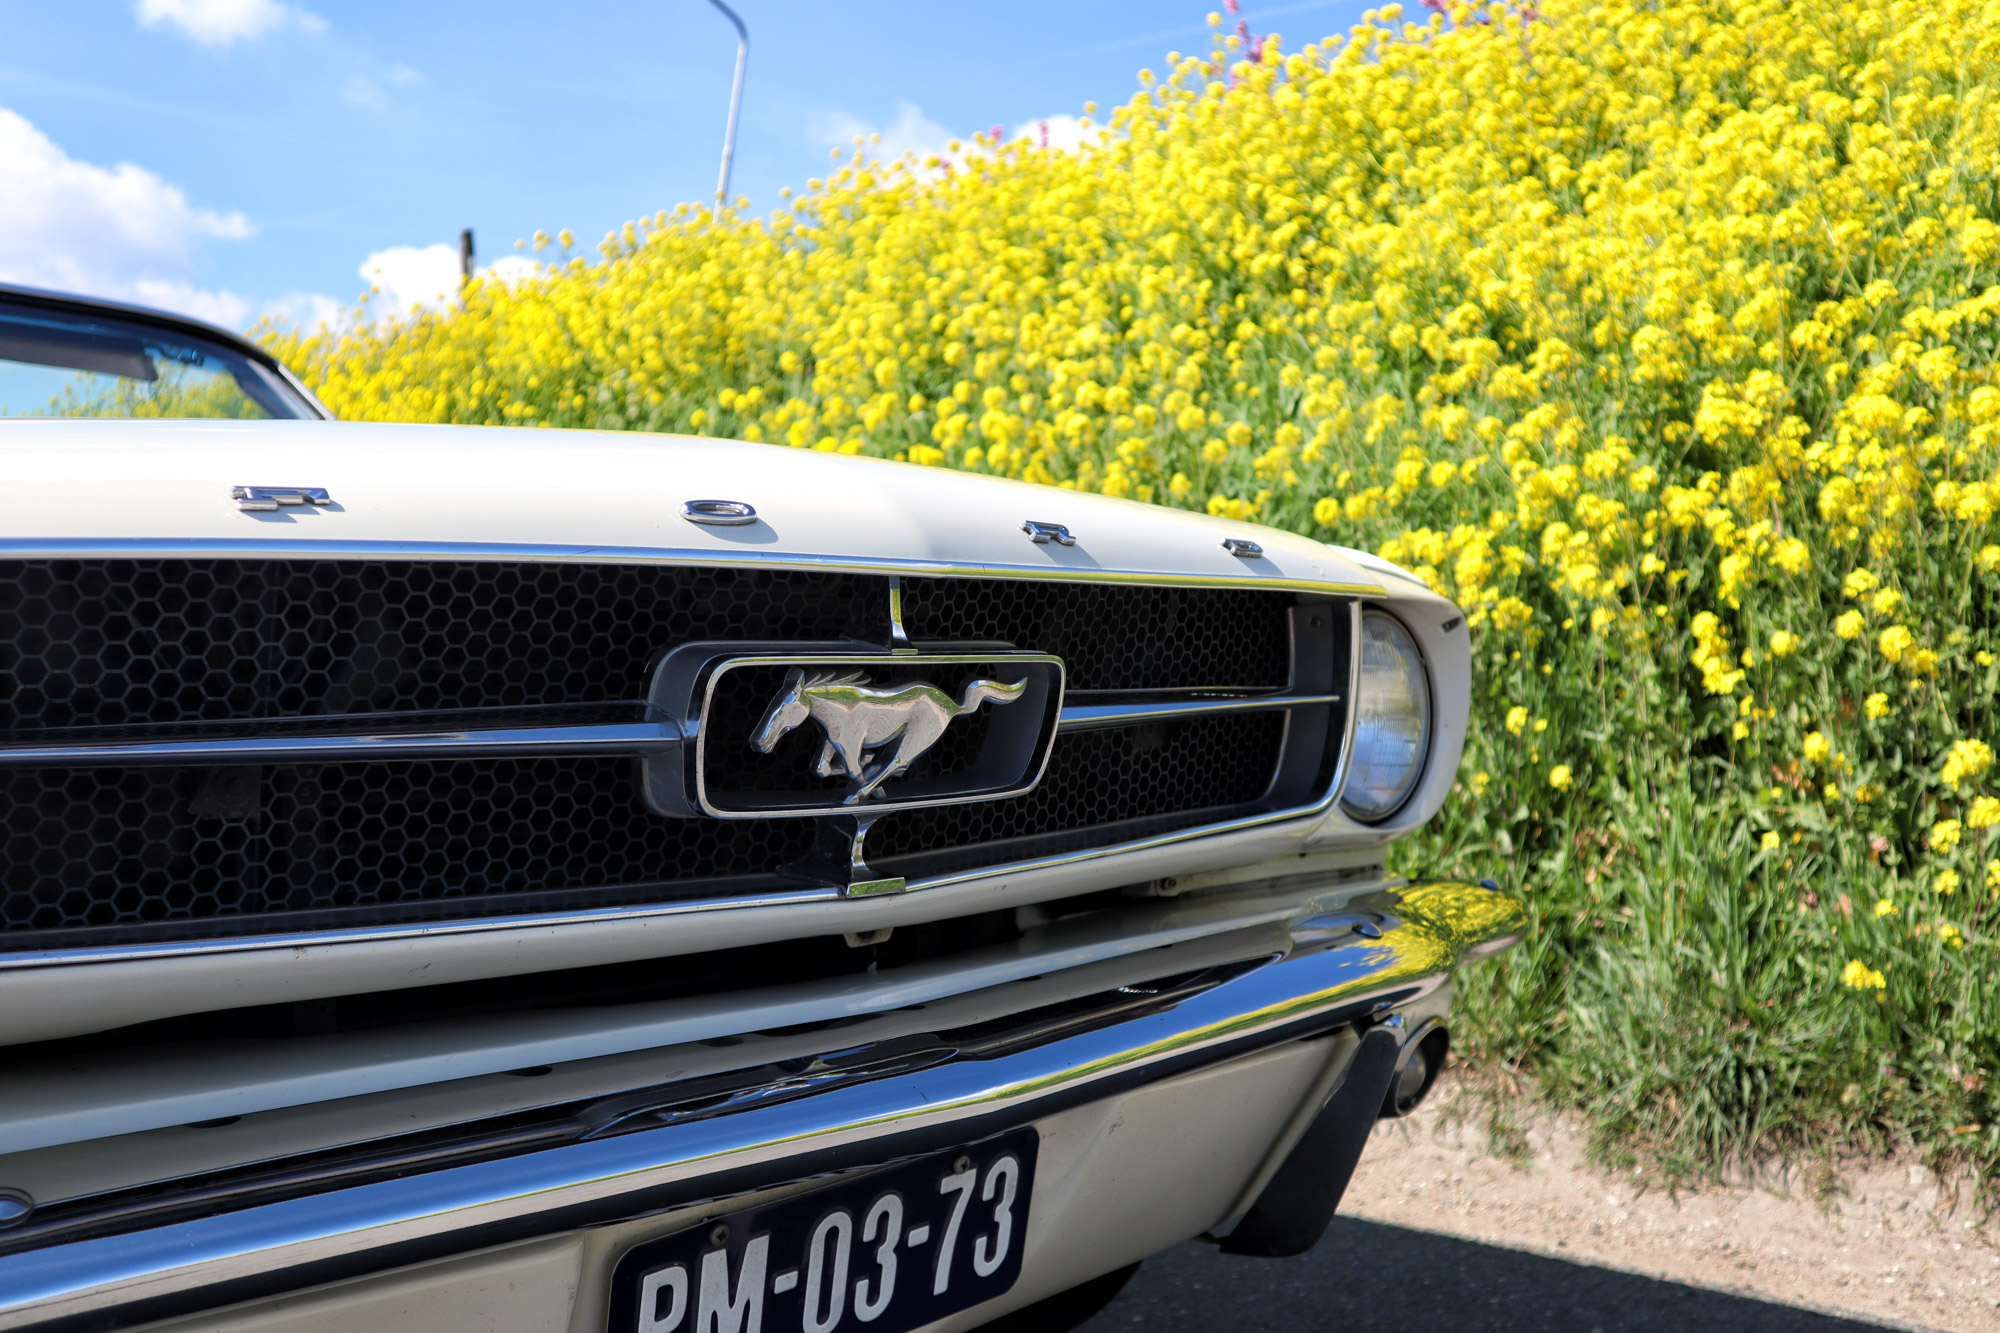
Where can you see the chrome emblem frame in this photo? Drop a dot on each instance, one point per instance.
(869, 735)
(857, 719)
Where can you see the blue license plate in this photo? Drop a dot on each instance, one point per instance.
(884, 1252)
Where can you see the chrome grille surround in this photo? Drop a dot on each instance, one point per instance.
(387, 737)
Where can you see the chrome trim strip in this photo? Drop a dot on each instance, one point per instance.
(312, 939)
(1353, 710)
(1312, 811)
(1085, 717)
(218, 548)
(117, 953)
(618, 738)
(282, 1246)
(614, 738)
(52, 1103)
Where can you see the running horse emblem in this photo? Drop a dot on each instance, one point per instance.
(859, 719)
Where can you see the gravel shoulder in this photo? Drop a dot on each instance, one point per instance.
(1889, 1244)
(1437, 1234)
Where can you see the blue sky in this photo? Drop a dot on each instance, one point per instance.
(234, 157)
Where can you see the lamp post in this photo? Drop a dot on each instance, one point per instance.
(735, 104)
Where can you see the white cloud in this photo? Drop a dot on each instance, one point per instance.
(372, 91)
(406, 279)
(119, 232)
(220, 22)
(915, 133)
(911, 132)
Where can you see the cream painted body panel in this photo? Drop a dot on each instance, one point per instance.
(96, 484)
(1116, 1180)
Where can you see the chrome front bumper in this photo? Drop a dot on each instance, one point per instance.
(1342, 968)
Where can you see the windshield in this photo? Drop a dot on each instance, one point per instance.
(60, 363)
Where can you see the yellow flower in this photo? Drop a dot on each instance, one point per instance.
(1831, 791)
(1770, 842)
(1993, 874)
(1885, 907)
(1383, 286)
(1862, 977)
(1944, 835)
(1951, 936)
(1896, 642)
(1985, 813)
(1966, 761)
(1946, 882)
(1561, 778)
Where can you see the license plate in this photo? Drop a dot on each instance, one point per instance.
(886, 1252)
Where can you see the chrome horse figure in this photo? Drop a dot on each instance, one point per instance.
(858, 718)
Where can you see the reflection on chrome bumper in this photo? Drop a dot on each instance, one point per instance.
(1342, 968)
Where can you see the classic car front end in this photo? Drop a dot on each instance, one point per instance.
(500, 879)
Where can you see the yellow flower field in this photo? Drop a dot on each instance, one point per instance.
(1658, 333)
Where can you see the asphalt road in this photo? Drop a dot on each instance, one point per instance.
(1367, 1276)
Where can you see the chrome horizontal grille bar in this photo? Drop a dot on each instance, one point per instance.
(615, 738)
(584, 740)
(1084, 717)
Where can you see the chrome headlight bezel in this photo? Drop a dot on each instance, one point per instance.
(1417, 667)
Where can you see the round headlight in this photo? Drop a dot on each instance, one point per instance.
(1392, 730)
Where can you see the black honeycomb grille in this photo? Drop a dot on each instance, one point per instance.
(95, 647)
(120, 643)
(1143, 780)
(95, 848)
(1117, 637)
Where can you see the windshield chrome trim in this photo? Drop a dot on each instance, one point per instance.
(184, 326)
(255, 548)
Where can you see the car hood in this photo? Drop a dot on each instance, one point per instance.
(111, 487)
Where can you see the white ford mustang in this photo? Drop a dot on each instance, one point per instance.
(487, 880)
